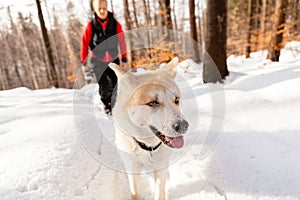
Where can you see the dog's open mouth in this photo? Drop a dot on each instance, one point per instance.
(173, 142)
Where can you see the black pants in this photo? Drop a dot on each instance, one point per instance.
(107, 81)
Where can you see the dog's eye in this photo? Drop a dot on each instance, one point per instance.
(177, 100)
(153, 104)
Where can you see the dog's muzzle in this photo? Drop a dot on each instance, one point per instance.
(180, 126)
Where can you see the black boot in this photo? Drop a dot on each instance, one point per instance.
(107, 109)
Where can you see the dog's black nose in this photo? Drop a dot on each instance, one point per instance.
(181, 126)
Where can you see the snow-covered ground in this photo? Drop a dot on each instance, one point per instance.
(49, 139)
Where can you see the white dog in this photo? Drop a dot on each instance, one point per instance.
(149, 124)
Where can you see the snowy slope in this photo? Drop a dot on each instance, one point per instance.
(49, 139)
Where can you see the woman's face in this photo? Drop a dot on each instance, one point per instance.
(100, 7)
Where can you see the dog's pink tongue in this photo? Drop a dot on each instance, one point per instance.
(177, 142)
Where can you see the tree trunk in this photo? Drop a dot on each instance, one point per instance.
(131, 54)
(199, 36)
(127, 15)
(168, 15)
(135, 14)
(193, 31)
(202, 25)
(54, 80)
(165, 14)
(215, 68)
(174, 17)
(296, 18)
(263, 23)
(11, 46)
(161, 14)
(3, 79)
(277, 34)
(30, 67)
(147, 14)
(251, 22)
(8, 78)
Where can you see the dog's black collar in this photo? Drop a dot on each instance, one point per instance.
(147, 148)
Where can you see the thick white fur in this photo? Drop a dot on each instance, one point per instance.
(132, 117)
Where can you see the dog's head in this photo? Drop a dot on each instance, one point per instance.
(149, 105)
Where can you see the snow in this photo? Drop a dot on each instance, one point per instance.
(49, 138)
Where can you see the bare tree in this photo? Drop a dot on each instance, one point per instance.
(168, 15)
(25, 53)
(165, 14)
(54, 80)
(263, 23)
(12, 45)
(146, 13)
(161, 13)
(296, 10)
(277, 33)
(174, 16)
(251, 21)
(6, 63)
(135, 14)
(215, 42)
(128, 21)
(193, 31)
(201, 22)
(3, 53)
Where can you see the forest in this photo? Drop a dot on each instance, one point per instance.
(40, 50)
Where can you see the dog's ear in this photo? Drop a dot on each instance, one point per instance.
(172, 66)
(117, 69)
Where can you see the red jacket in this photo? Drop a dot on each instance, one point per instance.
(86, 37)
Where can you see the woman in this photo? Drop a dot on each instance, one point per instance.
(102, 35)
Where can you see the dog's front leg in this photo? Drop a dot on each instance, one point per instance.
(134, 184)
(160, 178)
